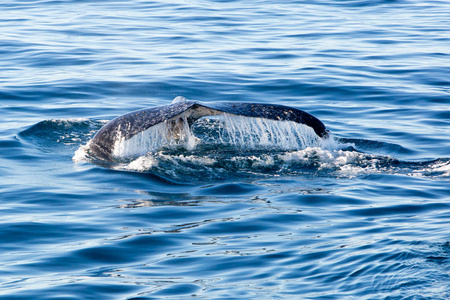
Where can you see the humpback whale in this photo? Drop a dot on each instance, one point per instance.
(184, 112)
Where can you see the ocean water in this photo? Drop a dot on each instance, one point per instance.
(234, 215)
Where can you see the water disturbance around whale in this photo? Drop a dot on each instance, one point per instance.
(220, 147)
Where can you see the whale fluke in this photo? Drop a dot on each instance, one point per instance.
(126, 126)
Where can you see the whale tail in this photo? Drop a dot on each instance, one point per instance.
(183, 113)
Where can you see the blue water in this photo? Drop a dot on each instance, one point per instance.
(365, 218)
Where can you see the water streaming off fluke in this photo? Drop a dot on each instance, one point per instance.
(227, 130)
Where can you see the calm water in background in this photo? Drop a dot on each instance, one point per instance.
(369, 220)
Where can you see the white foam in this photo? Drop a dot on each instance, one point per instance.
(171, 165)
(142, 164)
(443, 167)
(440, 169)
(82, 153)
(345, 163)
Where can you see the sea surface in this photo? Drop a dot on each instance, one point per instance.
(364, 214)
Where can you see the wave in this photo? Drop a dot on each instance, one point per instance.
(52, 135)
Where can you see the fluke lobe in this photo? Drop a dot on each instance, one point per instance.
(175, 114)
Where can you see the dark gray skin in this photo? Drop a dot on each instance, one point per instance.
(130, 124)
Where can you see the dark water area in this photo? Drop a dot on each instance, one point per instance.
(365, 216)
